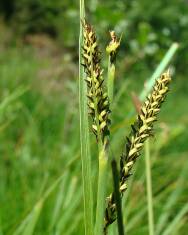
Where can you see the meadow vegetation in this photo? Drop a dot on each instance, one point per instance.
(40, 164)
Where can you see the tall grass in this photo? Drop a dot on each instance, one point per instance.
(84, 138)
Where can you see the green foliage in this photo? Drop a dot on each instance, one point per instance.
(149, 28)
(39, 136)
(55, 18)
(40, 167)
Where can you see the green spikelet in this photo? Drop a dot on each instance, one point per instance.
(97, 98)
(141, 130)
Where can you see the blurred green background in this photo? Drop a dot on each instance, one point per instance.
(40, 165)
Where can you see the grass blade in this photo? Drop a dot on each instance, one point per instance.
(59, 202)
(84, 139)
(169, 230)
(171, 201)
(12, 97)
(69, 209)
(29, 229)
(35, 212)
(142, 210)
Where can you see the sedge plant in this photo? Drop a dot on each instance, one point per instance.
(95, 102)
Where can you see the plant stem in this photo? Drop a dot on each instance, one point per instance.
(110, 81)
(149, 188)
(117, 197)
(101, 193)
(84, 140)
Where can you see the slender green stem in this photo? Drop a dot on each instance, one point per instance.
(117, 197)
(110, 81)
(101, 194)
(84, 140)
(176, 221)
(149, 188)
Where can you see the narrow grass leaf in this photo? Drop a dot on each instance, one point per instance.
(172, 226)
(84, 138)
(38, 206)
(170, 202)
(67, 216)
(59, 201)
(12, 97)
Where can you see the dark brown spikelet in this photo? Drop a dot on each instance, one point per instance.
(98, 102)
(141, 130)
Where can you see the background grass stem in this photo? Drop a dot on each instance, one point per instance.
(149, 188)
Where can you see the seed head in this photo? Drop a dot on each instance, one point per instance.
(98, 102)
